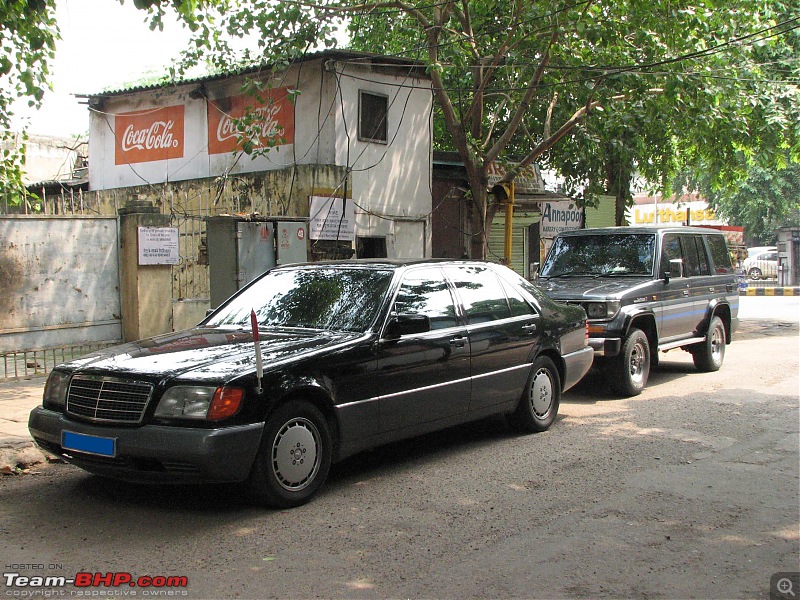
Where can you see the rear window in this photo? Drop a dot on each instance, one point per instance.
(720, 255)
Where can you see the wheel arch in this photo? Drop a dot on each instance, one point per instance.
(646, 322)
(556, 359)
(318, 397)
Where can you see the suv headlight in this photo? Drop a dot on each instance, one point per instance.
(200, 402)
(55, 390)
(602, 310)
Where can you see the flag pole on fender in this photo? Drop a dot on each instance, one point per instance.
(256, 342)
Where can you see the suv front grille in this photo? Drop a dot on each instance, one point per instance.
(108, 400)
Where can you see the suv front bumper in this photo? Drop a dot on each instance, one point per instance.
(605, 346)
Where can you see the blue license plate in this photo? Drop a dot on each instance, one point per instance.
(88, 443)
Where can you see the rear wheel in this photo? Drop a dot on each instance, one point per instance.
(538, 407)
(294, 458)
(627, 373)
(708, 355)
(755, 273)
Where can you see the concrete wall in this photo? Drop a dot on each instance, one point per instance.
(58, 281)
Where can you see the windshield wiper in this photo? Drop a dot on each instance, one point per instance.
(568, 273)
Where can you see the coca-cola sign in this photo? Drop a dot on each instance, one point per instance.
(148, 135)
(266, 121)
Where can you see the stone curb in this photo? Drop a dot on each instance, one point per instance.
(770, 291)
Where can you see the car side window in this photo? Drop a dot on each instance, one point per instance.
(720, 255)
(480, 292)
(670, 250)
(695, 256)
(519, 307)
(425, 292)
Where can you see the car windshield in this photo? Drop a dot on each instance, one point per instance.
(601, 255)
(340, 299)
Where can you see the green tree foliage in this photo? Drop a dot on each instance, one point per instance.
(28, 34)
(761, 202)
(599, 89)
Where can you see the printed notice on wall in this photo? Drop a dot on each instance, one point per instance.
(158, 246)
(332, 219)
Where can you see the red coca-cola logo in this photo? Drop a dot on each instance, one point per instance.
(262, 121)
(149, 135)
(158, 135)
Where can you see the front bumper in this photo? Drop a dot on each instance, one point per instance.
(155, 453)
(606, 346)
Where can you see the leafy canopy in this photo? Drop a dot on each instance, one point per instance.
(28, 34)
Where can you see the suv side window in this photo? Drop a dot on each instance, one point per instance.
(425, 292)
(694, 255)
(671, 250)
(720, 255)
(481, 293)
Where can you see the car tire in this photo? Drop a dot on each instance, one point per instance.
(294, 458)
(628, 372)
(708, 355)
(538, 407)
(755, 273)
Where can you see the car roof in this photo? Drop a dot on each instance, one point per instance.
(388, 263)
(640, 230)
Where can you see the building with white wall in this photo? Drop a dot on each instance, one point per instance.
(366, 116)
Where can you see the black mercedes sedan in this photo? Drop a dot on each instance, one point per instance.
(312, 363)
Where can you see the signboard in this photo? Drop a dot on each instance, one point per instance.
(558, 217)
(149, 135)
(272, 124)
(158, 246)
(528, 180)
(332, 219)
(697, 213)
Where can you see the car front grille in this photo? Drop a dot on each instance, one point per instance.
(108, 400)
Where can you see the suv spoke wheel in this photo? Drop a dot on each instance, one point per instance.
(708, 355)
(628, 372)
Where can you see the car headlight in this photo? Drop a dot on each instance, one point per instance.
(55, 390)
(200, 402)
(602, 310)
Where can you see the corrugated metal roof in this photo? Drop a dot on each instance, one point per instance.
(348, 55)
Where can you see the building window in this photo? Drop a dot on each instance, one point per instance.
(371, 247)
(373, 111)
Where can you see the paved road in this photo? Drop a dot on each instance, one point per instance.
(689, 490)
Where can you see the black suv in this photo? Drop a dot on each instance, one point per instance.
(646, 289)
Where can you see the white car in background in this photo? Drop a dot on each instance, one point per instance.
(762, 265)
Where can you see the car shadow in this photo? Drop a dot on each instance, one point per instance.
(594, 386)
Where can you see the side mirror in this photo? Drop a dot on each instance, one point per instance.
(675, 269)
(534, 270)
(401, 325)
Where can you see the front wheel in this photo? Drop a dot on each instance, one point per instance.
(628, 373)
(294, 458)
(538, 407)
(755, 274)
(708, 355)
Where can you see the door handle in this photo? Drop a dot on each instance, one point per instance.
(458, 342)
(529, 328)
(685, 292)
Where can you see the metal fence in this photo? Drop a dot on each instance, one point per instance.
(19, 364)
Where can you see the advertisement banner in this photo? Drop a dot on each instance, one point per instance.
(149, 135)
(272, 124)
(558, 217)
